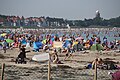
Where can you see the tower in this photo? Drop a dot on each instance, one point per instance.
(97, 14)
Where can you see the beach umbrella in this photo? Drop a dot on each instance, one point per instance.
(3, 34)
(41, 57)
(99, 47)
(39, 44)
(23, 42)
(95, 47)
(9, 41)
(35, 46)
(44, 41)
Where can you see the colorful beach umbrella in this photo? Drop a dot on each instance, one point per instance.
(9, 41)
(39, 44)
(3, 34)
(23, 42)
(95, 47)
(35, 46)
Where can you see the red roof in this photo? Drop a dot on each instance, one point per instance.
(1, 20)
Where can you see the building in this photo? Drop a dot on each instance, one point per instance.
(97, 14)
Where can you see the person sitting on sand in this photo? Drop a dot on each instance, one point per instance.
(98, 61)
(4, 44)
(54, 57)
(21, 57)
(106, 64)
(106, 48)
(87, 44)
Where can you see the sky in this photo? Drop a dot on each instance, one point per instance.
(67, 9)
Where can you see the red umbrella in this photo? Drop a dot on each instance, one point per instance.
(116, 75)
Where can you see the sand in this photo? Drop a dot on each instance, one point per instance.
(72, 69)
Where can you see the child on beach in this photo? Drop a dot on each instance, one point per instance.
(4, 44)
(54, 57)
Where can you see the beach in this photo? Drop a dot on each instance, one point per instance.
(59, 40)
(73, 68)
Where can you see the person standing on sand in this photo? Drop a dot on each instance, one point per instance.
(4, 44)
(23, 55)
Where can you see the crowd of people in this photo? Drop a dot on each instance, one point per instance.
(69, 42)
(72, 40)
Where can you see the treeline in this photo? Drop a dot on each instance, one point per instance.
(113, 22)
(57, 22)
